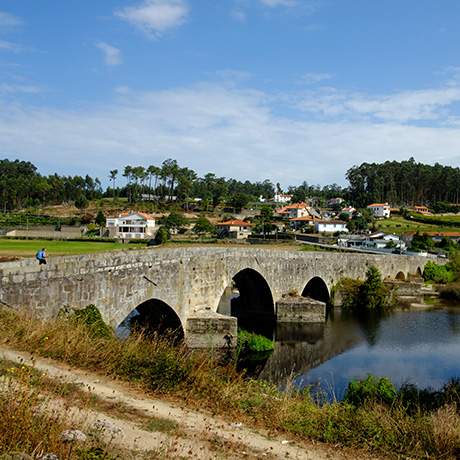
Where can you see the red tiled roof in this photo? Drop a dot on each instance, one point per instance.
(376, 204)
(234, 223)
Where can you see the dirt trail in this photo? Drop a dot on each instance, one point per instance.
(199, 435)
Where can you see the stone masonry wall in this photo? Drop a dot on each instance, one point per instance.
(190, 280)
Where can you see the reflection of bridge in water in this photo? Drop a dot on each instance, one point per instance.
(301, 347)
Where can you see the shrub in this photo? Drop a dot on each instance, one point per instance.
(441, 274)
(370, 295)
(162, 235)
(370, 389)
(91, 317)
(253, 342)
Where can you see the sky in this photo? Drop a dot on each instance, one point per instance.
(288, 90)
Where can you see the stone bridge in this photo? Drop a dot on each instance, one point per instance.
(185, 283)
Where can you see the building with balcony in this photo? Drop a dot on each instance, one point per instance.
(131, 225)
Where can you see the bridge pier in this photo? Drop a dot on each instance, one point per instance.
(211, 330)
(300, 310)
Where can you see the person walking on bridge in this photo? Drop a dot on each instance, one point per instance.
(41, 256)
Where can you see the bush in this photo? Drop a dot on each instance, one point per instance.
(370, 295)
(441, 274)
(91, 317)
(253, 342)
(162, 235)
(370, 389)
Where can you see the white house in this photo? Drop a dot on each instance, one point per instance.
(330, 226)
(380, 210)
(282, 198)
(129, 225)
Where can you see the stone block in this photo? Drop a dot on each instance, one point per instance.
(300, 310)
(210, 330)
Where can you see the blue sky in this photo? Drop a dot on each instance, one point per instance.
(289, 90)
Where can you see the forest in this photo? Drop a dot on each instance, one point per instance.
(404, 183)
(398, 183)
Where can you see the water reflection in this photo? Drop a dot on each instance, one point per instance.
(419, 347)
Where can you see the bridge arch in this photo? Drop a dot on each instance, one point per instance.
(317, 289)
(154, 316)
(419, 272)
(400, 276)
(249, 298)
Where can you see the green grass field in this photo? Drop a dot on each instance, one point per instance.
(399, 225)
(28, 248)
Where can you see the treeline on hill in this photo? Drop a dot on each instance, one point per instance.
(399, 183)
(22, 186)
(404, 183)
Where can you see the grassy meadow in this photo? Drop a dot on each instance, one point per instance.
(399, 225)
(28, 248)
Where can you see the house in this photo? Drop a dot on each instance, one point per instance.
(129, 225)
(301, 222)
(420, 209)
(334, 201)
(380, 210)
(282, 198)
(293, 211)
(378, 242)
(330, 226)
(238, 229)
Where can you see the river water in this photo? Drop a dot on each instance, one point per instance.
(419, 347)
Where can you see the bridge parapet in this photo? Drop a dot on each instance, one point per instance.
(190, 280)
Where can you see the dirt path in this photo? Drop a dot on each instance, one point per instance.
(199, 435)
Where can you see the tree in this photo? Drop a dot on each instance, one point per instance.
(175, 221)
(203, 226)
(238, 201)
(100, 219)
(81, 202)
(372, 294)
(113, 177)
(162, 235)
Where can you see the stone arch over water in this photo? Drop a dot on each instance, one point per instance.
(154, 316)
(400, 276)
(317, 289)
(249, 298)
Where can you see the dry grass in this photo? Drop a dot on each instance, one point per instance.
(196, 378)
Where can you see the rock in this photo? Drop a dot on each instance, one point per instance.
(109, 427)
(73, 436)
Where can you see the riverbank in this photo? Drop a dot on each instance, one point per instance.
(196, 378)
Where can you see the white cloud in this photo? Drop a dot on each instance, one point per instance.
(155, 17)
(112, 55)
(404, 106)
(8, 21)
(9, 46)
(8, 89)
(311, 78)
(239, 15)
(229, 131)
(275, 3)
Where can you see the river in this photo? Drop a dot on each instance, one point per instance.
(420, 347)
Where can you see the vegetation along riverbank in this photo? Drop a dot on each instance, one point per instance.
(373, 414)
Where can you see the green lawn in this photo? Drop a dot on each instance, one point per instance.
(398, 225)
(28, 248)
